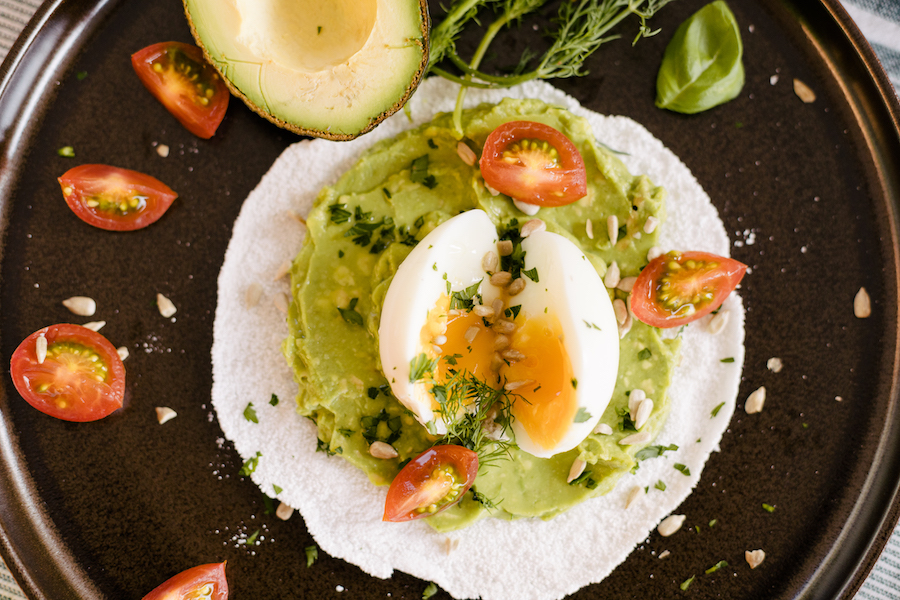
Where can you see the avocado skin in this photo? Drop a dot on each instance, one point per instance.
(422, 43)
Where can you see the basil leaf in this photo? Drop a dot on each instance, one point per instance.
(702, 67)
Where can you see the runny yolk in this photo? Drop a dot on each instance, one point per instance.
(546, 402)
(546, 408)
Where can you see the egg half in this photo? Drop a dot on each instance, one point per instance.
(552, 346)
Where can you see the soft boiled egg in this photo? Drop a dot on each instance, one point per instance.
(552, 345)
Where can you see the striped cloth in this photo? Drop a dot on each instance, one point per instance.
(879, 20)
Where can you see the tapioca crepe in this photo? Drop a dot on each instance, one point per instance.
(526, 559)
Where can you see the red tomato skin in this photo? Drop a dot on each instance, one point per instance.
(100, 399)
(177, 94)
(180, 586)
(544, 187)
(644, 305)
(411, 477)
(85, 181)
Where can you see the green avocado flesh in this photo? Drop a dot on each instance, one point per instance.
(347, 263)
(330, 69)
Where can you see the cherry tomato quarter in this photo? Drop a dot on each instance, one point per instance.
(181, 79)
(533, 163)
(679, 287)
(431, 482)
(74, 374)
(204, 582)
(115, 199)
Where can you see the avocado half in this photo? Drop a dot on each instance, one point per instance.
(326, 68)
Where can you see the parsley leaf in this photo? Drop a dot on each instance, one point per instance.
(250, 465)
(250, 413)
(730, 359)
(312, 554)
(419, 172)
(339, 213)
(660, 485)
(683, 468)
(350, 315)
(278, 489)
(273, 400)
(532, 274)
(431, 589)
(653, 451)
(768, 507)
(687, 582)
(716, 410)
(465, 299)
(717, 566)
(582, 415)
(644, 354)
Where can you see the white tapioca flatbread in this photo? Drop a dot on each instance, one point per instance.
(494, 560)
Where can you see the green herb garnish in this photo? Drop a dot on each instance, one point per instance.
(250, 465)
(350, 315)
(250, 413)
(644, 354)
(278, 489)
(730, 359)
(660, 485)
(430, 590)
(683, 468)
(273, 400)
(465, 299)
(421, 366)
(419, 172)
(312, 554)
(66, 151)
(768, 507)
(653, 451)
(582, 415)
(716, 410)
(717, 566)
(687, 583)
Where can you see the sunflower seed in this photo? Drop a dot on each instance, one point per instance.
(252, 295)
(664, 554)
(532, 226)
(284, 511)
(804, 92)
(40, 349)
(626, 284)
(491, 190)
(281, 302)
(81, 305)
(470, 334)
(754, 557)
(162, 150)
(504, 326)
(635, 398)
(483, 311)
(379, 449)
(164, 414)
(165, 306)
(450, 544)
(645, 409)
(467, 155)
(490, 261)
(603, 429)
(440, 340)
(654, 252)
(775, 364)
(501, 278)
(670, 525)
(612, 229)
(95, 325)
(514, 385)
(755, 401)
(512, 355)
(650, 224)
(717, 322)
(576, 470)
(122, 351)
(501, 342)
(528, 209)
(862, 304)
(589, 229)
(283, 269)
(504, 247)
(621, 310)
(613, 275)
(633, 495)
(516, 287)
(635, 439)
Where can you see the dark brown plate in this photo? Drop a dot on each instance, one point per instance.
(111, 509)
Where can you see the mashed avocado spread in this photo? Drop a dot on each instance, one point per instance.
(361, 229)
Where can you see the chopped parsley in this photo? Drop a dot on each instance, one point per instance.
(431, 144)
(592, 325)
(465, 299)
(575, 387)
(372, 429)
(431, 589)
(252, 539)
(250, 413)
(653, 451)
(532, 274)
(278, 489)
(451, 360)
(717, 566)
(713, 522)
(513, 311)
(339, 213)
(312, 554)
(768, 507)
(80, 76)
(350, 315)
(273, 400)
(730, 359)
(340, 254)
(387, 193)
(66, 152)
(483, 500)
(582, 415)
(626, 424)
(586, 479)
(644, 354)
(716, 410)
(683, 468)
(660, 485)
(687, 583)
(419, 172)
(250, 465)
(420, 366)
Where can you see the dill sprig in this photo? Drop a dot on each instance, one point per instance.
(468, 407)
(582, 26)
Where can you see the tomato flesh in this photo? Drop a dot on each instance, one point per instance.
(81, 378)
(680, 287)
(533, 163)
(204, 582)
(433, 481)
(179, 77)
(115, 199)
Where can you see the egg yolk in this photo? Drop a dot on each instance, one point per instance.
(544, 401)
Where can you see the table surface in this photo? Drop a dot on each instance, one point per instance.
(879, 20)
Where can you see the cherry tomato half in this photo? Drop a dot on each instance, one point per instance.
(81, 377)
(205, 582)
(533, 163)
(189, 88)
(431, 482)
(115, 199)
(680, 287)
